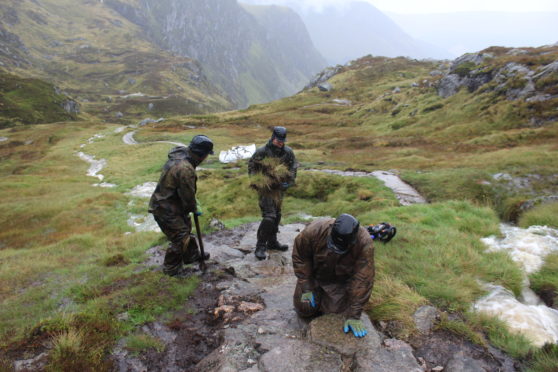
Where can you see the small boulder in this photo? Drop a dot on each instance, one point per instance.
(449, 85)
(425, 317)
(327, 330)
(71, 106)
(325, 87)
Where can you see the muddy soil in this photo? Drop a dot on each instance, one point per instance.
(190, 334)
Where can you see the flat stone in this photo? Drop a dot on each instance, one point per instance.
(397, 356)
(461, 363)
(327, 330)
(296, 355)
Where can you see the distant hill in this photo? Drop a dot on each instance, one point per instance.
(356, 29)
(124, 59)
(473, 31)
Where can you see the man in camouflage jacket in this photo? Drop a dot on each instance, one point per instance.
(271, 196)
(333, 260)
(174, 198)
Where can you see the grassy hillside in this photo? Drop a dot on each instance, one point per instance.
(100, 58)
(72, 265)
(31, 101)
(386, 113)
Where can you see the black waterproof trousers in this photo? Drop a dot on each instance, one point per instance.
(183, 248)
(270, 205)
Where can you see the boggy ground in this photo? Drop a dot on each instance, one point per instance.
(241, 319)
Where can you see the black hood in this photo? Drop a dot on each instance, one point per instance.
(183, 153)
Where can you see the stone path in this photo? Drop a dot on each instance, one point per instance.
(273, 338)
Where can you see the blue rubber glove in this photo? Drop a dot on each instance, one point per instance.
(198, 211)
(308, 297)
(356, 326)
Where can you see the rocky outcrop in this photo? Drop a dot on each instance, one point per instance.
(321, 78)
(71, 106)
(13, 52)
(514, 80)
(463, 72)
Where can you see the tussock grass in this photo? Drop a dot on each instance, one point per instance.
(441, 241)
(545, 281)
(139, 343)
(545, 360)
(394, 300)
(543, 215)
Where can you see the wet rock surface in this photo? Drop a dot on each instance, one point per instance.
(242, 319)
(446, 350)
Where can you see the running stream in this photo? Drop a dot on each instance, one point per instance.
(526, 314)
(95, 165)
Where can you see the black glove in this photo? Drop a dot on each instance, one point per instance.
(383, 232)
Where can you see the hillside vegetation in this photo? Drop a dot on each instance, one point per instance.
(478, 155)
(32, 101)
(122, 59)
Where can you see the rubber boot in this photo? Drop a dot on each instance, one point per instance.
(265, 232)
(260, 252)
(272, 243)
(192, 252)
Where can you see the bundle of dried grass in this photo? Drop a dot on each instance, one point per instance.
(272, 173)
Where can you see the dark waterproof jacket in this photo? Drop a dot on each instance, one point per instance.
(176, 191)
(285, 155)
(315, 265)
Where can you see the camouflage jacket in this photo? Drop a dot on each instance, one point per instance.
(315, 265)
(175, 193)
(285, 156)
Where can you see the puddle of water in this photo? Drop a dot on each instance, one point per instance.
(128, 138)
(526, 315)
(104, 184)
(95, 137)
(143, 222)
(133, 95)
(120, 129)
(143, 191)
(237, 153)
(95, 165)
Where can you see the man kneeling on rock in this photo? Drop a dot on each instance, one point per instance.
(173, 200)
(333, 260)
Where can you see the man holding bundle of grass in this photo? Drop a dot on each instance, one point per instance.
(272, 169)
(174, 198)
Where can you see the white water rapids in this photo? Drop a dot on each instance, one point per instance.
(526, 315)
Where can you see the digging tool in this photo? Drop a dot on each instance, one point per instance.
(203, 267)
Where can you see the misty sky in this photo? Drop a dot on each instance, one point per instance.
(444, 6)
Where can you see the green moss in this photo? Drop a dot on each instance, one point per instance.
(465, 68)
